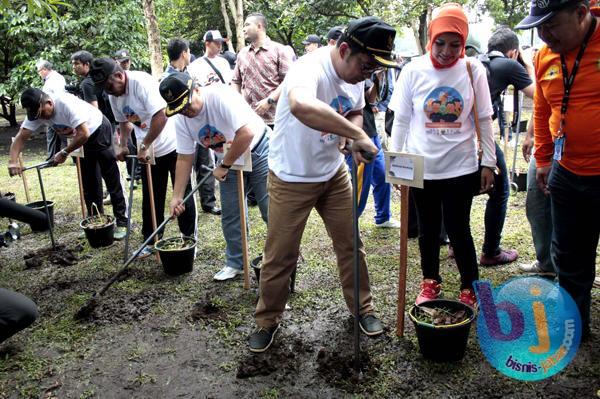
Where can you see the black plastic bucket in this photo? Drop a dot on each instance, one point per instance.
(521, 180)
(256, 265)
(9, 196)
(100, 236)
(39, 206)
(176, 261)
(444, 343)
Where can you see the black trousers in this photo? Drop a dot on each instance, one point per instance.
(16, 313)
(450, 199)
(164, 167)
(207, 190)
(575, 200)
(99, 162)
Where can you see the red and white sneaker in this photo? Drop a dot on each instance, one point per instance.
(430, 289)
(467, 296)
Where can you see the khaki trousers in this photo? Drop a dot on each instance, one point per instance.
(290, 205)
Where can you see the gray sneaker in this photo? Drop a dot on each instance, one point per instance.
(261, 339)
(534, 268)
(370, 325)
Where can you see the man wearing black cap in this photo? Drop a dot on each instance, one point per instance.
(211, 117)
(123, 58)
(311, 43)
(85, 124)
(138, 107)
(567, 138)
(320, 108)
(334, 34)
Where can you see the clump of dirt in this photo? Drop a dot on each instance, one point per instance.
(123, 309)
(282, 357)
(59, 256)
(338, 368)
(206, 310)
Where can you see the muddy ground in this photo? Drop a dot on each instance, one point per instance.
(154, 336)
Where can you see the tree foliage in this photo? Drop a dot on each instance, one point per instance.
(506, 12)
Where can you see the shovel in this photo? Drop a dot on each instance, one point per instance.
(89, 306)
(129, 206)
(369, 157)
(39, 167)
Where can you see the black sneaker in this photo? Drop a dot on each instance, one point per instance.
(370, 325)
(261, 339)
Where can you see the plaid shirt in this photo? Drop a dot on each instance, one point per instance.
(260, 71)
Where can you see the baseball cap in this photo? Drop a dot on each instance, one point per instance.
(213, 36)
(473, 43)
(335, 33)
(541, 11)
(375, 37)
(31, 99)
(101, 69)
(312, 39)
(121, 55)
(177, 91)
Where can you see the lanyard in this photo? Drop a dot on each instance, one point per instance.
(569, 79)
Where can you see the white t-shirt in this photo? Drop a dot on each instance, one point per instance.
(138, 105)
(54, 83)
(298, 153)
(69, 112)
(439, 103)
(223, 113)
(203, 73)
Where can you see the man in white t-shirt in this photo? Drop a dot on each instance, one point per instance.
(211, 68)
(213, 117)
(54, 83)
(85, 124)
(321, 104)
(207, 70)
(138, 107)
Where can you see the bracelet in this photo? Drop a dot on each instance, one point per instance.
(224, 165)
(64, 152)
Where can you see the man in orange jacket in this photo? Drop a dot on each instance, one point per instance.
(567, 138)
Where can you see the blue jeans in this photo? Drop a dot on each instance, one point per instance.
(495, 209)
(575, 202)
(230, 217)
(373, 174)
(537, 209)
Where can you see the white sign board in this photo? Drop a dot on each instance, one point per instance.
(404, 169)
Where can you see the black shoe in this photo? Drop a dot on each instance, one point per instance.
(261, 339)
(213, 210)
(370, 325)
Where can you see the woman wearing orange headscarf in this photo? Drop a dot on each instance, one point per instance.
(447, 139)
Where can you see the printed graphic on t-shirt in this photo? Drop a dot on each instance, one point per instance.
(133, 117)
(443, 107)
(342, 105)
(551, 73)
(210, 137)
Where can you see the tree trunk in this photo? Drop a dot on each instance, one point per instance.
(227, 26)
(237, 11)
(415, 30)
(156, 61)
(423, 30)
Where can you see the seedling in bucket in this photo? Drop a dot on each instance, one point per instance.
(98, 228)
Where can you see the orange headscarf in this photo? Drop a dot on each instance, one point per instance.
(448, 18)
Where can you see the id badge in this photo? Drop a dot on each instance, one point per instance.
(559, 147)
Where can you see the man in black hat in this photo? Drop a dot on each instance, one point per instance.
(72, 117)
(139, 108)
(211, 117)
(334, 34)
(311, 43)
(123, 58)
(320, 108)
(567, 138)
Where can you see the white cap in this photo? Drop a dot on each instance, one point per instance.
(213, 36)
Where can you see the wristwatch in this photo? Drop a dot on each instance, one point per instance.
(224, 165)
(271, 101)
(142, 146)
(64, 152)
